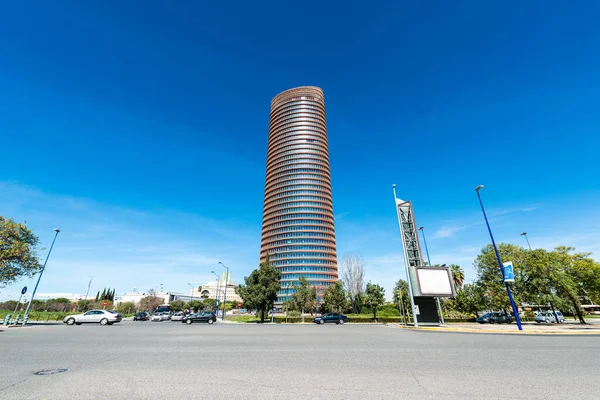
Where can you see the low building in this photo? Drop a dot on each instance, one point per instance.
(209, 291)
(135, 297)
(71, 296)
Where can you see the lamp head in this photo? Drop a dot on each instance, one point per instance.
(56, 230)
(524, 234)
(394, 185)
(421, 228)
(478, 188)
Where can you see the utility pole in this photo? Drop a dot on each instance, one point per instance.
(86, 293)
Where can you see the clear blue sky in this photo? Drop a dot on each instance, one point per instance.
(140, 128)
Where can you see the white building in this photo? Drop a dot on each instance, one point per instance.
(70, 296)
(209, 291)
(135, 297)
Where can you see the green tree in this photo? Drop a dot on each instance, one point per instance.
(196, 305)
(209, 304)
(572, 276)
(458, 276)
(489, 275)
(127, 307)
(97, 296)
(335, 298)
(177, 305)
(470, 300)
(259, 291)
(374, 297)
(304, 296)
(150, 303)
(401, 298)
(18, 252)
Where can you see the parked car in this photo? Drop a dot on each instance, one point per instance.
(203, 316)
(157, 317)
(141, 316)
(178, 316)
(331, 318)
(548, 317)
(103, 317)
(494, 318)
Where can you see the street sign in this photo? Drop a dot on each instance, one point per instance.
(239, 304)
(105, 303)
(509, 273)
(24, 290)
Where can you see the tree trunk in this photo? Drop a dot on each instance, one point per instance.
(577, 309)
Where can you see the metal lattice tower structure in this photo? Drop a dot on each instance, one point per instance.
(410, 236)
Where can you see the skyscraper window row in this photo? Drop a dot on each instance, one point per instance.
(304, 151)
(299, 113)
(296, 231)
(296, 222)
(300, 240)
(312, 159)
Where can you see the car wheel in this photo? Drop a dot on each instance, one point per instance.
(210, 321)
(188, 321)
(341, 322)
(492, 321)
(70, 321)
(103, 321)
(321, 322)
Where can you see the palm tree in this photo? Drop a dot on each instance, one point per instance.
(458, 276)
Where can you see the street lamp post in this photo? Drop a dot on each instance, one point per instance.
(191, 298)
(26, 316)
(217, 293)
(437, 299)
(526, 238)
(225, 293)
(510, 297)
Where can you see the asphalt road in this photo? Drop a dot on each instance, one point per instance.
(160, 360)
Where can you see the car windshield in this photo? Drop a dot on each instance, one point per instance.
(487, 315)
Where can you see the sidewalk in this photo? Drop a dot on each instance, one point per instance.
(529, 328)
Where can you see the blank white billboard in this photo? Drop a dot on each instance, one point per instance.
(434, 282)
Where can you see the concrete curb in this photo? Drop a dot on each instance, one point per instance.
(501, 331)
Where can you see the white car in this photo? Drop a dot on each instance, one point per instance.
(156, 317)
(178, 316)
(160, 316)
(102, 317)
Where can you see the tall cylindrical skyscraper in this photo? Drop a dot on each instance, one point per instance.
(298, 232)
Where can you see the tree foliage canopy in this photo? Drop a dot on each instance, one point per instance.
(18, 252)
(259, 291)
(335, 298)
(374, 297)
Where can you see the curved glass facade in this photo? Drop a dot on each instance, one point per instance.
(298, 232)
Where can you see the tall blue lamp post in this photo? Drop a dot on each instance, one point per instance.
(225, 293)
(26, 316)
(510, 297)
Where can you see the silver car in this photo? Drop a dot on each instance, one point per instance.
(102, 317)
(548, 317)
(178, 316)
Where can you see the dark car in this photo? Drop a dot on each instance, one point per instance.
(494, 318)
(203, 316)
(141, 316)
(331, 318)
